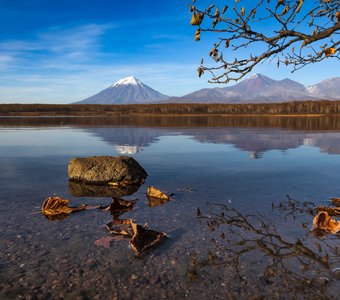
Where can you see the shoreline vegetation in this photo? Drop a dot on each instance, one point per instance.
(294, 108)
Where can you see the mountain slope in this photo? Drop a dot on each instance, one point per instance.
(327, 89)
(257, 88)
(125, 91)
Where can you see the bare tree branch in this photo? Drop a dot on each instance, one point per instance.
(292, 32)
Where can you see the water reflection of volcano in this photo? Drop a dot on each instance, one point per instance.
(128, 140)
(327, 142)
(125, 149)
(255, 141)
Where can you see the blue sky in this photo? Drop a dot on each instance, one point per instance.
(61, 51)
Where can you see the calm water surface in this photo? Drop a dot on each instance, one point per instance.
(228, 234)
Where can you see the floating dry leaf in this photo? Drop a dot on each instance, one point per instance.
(54, 206)
(156, 193)
(144, 238)
(325, 222)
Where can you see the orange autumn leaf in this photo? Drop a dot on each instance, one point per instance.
(329, 51)
(337, 15)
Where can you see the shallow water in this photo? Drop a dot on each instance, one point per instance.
(248, 164)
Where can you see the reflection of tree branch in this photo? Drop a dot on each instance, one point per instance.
(292, 207)
(292, 266)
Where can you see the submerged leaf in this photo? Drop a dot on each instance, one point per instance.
(144, 238)
(104, 241)
(120, 227)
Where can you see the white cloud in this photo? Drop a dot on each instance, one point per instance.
(90, 79)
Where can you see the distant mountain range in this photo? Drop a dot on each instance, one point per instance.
(256, 89)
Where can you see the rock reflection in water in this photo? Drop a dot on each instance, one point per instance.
(265, 262)
(80, 189)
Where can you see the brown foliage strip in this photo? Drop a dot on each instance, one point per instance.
(287, 108)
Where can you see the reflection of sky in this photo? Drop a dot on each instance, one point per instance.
(45, 142)
(220, 168)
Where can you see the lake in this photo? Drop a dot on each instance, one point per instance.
(239, 221)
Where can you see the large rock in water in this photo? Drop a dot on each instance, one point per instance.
(118, 170)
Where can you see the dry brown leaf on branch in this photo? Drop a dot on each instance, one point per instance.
(200, 72)
(299, 6)
(198, 35)
(144, 238)
(54, 206)
(325, 222)
(329, 51)
(285, 10)
(156, 193)
(242, 11)
(196, 19)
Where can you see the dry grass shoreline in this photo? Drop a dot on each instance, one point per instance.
(296, 108)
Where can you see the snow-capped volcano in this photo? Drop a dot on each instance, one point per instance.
(128, 80)
(125, 91)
